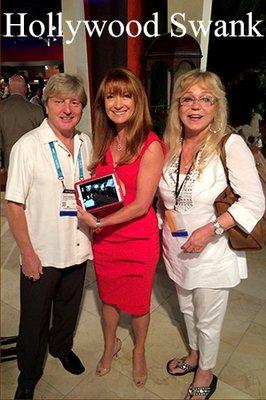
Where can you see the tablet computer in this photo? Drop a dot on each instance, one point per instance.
(100, 193)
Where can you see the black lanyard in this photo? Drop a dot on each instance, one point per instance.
(178, 190)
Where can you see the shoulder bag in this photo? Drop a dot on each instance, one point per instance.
(238, 239)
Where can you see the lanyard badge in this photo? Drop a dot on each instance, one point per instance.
(68, 205)
(176, 224)
(174, 217)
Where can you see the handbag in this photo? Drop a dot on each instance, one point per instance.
(261, 166)
(238, 239)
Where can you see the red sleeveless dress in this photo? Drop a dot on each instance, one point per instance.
(126, 254)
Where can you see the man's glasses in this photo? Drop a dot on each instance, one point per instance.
(188, 101)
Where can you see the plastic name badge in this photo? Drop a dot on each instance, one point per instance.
(175, 222)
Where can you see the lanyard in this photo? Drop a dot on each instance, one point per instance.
(178, 190)
(58, 166)
(81, 172)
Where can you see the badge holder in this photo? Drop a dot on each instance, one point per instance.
(68, 205)
(174, 218)
(176, 224)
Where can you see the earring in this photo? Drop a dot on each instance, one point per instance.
(215, 130)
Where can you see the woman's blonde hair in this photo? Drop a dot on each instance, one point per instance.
(119, 81)
(65, 86)
(174, 130)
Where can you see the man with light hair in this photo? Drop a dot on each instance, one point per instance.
(54, 248)
(17, 116)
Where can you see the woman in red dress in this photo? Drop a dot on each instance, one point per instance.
(126, 241)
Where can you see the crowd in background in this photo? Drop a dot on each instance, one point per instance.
(34, 90)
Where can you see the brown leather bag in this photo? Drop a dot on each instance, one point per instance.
(238, 239)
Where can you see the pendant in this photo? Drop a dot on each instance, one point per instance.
(118, 146)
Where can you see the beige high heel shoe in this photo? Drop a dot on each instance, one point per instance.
(139, 380)
(100, 370)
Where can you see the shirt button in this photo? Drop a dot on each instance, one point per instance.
(77, 244)
(77, 227)
(69, 155)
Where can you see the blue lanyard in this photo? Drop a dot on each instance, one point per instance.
(81, 172)
(58, 166)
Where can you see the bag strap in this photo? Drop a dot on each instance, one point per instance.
(223, 156)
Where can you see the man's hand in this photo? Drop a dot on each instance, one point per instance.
(31, 265)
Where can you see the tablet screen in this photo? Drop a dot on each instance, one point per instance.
(99, 192)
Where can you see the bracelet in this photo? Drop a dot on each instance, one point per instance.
(98, 223)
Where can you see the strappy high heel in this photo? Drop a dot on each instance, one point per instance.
(100, 370)
(139, 380)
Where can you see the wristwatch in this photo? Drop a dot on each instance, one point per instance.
(218, 229)
(98, 223)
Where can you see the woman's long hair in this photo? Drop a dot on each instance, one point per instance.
(119, 81)
(174, 130)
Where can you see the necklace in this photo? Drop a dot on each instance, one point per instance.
(187, 164)
(118, 145)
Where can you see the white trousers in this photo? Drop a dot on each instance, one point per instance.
(203, 311)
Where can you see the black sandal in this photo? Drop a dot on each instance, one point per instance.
(187, 368)
(203, 391)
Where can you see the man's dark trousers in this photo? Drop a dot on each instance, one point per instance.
(59, 290)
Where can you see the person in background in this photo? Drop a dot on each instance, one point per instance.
(37, 98)
(126, 241)
(4, 91)
(17, 116)
(54, 248)
(195, 245)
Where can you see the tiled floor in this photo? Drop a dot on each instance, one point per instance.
(241, 365)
